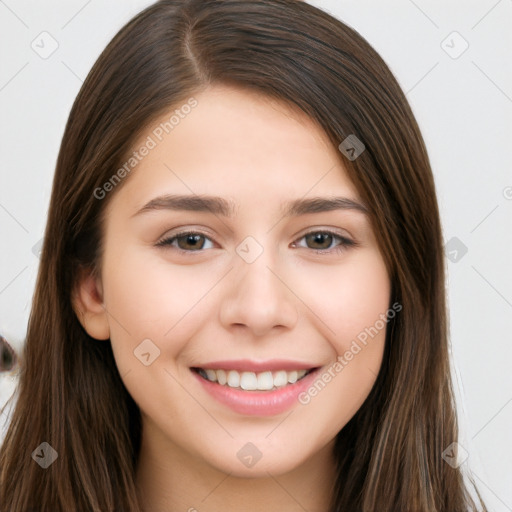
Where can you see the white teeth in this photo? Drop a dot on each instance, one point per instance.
(211, 375)
(248, 381)
(233, 379)
(265, 381)
(251, 381)
(221, 377)
(292, 377)
(280, 379)
(301, 374)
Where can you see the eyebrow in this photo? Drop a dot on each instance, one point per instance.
(226, 208)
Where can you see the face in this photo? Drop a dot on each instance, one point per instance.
(243, 288)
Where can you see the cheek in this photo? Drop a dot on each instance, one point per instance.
(353, 312)
(349, 297)
(155, 308)
(365, 297)
(149, 298)
(141, 291)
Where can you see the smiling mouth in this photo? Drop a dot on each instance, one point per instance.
(253, 381)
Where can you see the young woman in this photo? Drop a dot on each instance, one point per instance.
(240, 301)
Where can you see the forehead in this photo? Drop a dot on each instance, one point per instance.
(237, 144)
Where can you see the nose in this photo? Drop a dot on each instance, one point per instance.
(258, 299)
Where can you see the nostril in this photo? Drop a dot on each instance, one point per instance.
(7, 356)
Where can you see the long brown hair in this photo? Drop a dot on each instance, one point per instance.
(389, 456)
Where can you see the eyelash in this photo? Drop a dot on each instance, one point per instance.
(344, 244)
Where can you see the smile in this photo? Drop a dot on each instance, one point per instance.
(256, 388)
(252, 381)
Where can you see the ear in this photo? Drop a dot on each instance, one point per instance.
(88, 305)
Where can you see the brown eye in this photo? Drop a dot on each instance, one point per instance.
(325, 242)
(319, 240)
(189, 242)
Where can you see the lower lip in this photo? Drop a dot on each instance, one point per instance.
(258, 403)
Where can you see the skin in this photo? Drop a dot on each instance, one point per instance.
(293, 302)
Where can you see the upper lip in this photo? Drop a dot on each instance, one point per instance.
(247, 365)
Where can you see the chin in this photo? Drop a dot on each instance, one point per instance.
(257, 459)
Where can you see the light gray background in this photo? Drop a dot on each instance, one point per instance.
(463, 103)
